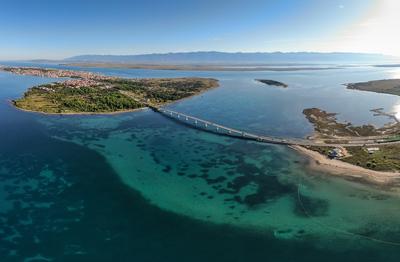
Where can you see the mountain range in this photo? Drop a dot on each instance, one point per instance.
(212, 57)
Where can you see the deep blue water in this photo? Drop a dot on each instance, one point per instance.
(138, 187)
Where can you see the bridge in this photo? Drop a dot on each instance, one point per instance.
(212, 127)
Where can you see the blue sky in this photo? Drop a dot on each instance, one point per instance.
(58, 29)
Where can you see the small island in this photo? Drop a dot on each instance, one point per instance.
(272, 83)
(385, 86)
(86, 92)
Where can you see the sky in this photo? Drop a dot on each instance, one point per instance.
(44, 29)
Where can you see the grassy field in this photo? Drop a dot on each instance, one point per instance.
(386, 159)
(66, 100)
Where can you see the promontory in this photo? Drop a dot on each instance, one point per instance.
(82, 92)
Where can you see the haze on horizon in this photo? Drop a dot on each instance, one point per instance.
(47, 29)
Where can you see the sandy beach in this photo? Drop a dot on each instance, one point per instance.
(320, 162)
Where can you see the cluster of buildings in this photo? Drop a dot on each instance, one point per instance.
(338, 152)
(77, 83)
(47, 89)
(78, 78)
(55, 73)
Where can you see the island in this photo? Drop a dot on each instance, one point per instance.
(386, 86)
(272, 82)
(84, 92)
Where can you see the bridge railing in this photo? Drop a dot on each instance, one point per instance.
(217, 128)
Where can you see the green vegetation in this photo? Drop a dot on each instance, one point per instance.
(160, 91)
(327, 126)
(71, 100)
(386, 159)
(110, 95)
(393, 138)
(324, 150)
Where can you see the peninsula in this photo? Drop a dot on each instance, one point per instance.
(85, 92)
(377, 161)
(386, 86)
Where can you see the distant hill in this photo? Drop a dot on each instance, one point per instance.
(235, 58)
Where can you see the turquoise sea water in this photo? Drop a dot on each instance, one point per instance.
(139, 187)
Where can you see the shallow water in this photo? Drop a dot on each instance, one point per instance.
(139, 186)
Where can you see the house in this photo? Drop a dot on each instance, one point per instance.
(335, 153)
(372, 150)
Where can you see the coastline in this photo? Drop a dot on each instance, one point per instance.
(88, 79)
(382, 86)
(319, 162)
(114, 112)
(11, 102)
(194, 95)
